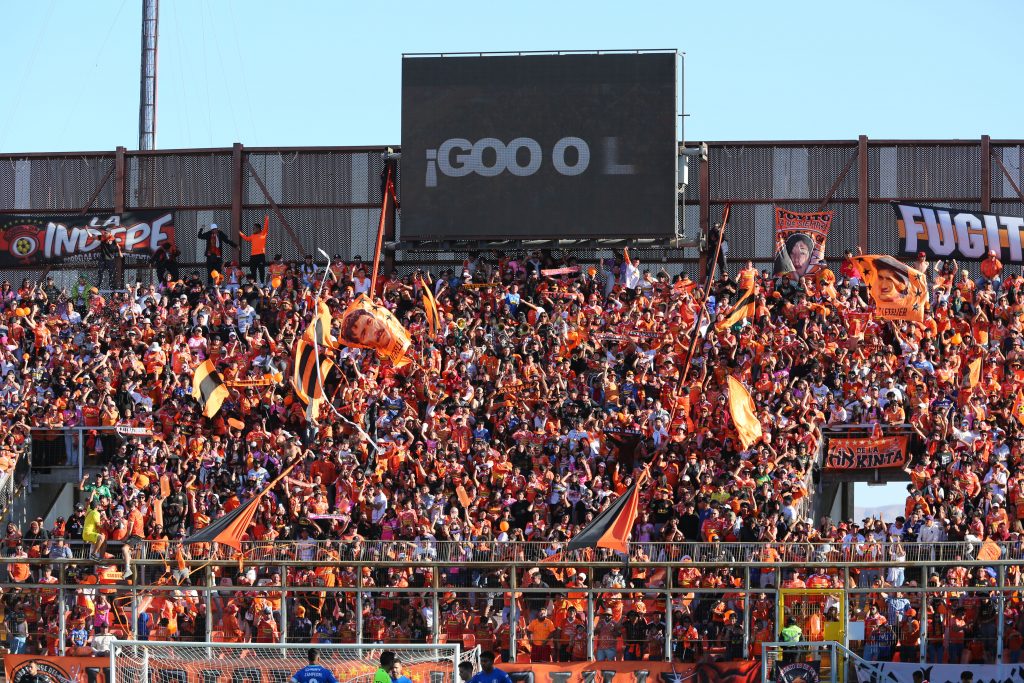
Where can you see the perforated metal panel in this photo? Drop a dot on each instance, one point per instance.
(178, 180)
(60, 184)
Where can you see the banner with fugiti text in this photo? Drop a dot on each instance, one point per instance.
(866, 454)
(38, 240)
(944, 233)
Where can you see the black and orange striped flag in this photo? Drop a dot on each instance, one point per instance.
(611, 528)
(208, 388)
(307, 382)
(744, 308)
(319, 329)
(230, 529)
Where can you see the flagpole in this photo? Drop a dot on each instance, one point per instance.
(700, 314)
(380, 230)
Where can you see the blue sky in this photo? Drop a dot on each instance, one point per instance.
(328, 73)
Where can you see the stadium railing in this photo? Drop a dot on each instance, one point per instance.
(453, 571)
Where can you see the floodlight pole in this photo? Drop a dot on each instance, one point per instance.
(147, 81)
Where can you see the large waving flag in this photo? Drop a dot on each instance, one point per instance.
(611, 528)
(307, 380)
(208, 388)
(899, 291)
(744, 416)
(744, 308)
(230, 529)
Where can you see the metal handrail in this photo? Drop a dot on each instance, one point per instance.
(530, 554)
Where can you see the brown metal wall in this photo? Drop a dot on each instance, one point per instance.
(330, 196)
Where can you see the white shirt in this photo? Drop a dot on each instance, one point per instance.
(380, 506)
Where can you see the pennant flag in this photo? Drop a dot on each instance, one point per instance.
(899, 291)
(744, 308)
(366, 325)
(306, 381)
(229, 529)
(208, 388)
(319, 329)
(430, 307)
(744, 417)
(612, 527)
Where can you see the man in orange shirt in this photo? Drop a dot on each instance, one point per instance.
(258, 250)
(541, 631)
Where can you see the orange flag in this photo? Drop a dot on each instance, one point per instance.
(974, 372)
(899, 291)
(989, 550)
(1018, 408)
(744, 415)
(430, 308)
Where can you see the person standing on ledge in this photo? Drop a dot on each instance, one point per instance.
(258, 250)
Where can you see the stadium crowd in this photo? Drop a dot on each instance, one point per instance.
(547, 390)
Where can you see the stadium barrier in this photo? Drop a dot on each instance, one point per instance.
(459, 568)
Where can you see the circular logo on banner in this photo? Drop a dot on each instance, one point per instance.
(799, 672)
(46, 668)
(23, 241)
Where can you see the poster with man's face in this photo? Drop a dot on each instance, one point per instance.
(367, 325)
(899, 291)
(800, 241)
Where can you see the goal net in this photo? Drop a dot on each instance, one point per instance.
(155, 662)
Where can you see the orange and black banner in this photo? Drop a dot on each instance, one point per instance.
(800, 241)
(611, 528)
(265, 381)
(306, 381)
(208, 388)
(744, 309)
(866, 454)
(899, 291)
(944, 233)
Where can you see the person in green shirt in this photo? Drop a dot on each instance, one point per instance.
(383, 673)
(791, 634)
(97, 490)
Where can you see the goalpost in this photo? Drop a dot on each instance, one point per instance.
(134, 661)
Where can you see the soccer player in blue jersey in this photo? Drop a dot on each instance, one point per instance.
(488, 674)
(314, 673)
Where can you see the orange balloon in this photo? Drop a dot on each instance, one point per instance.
(275, 282)
(503, 526)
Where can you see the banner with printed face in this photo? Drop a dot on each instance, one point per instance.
(35, 240)
(866, 454)
(800, 241)
(899, 291)
(944, 233)
(367, 325)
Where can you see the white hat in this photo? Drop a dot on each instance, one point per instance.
(213, 226)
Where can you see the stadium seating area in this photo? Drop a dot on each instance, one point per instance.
(537, 403)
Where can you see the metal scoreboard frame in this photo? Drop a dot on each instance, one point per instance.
(672, 234)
